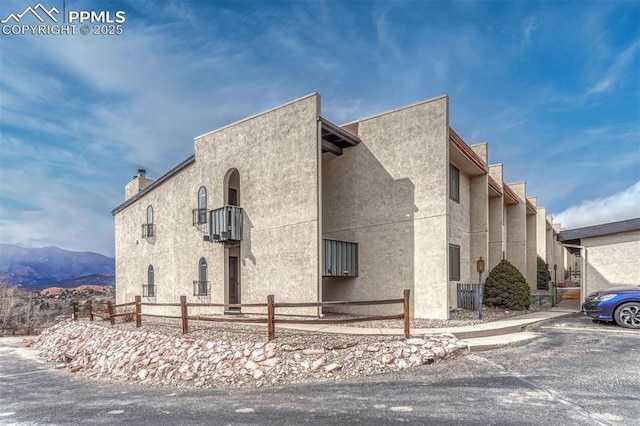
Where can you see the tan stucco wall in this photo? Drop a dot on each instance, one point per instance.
(479, 215)
(612, 260)
(273, 153)
(460, 234)
(389, 194)
(558, 256)
(532, 261)
(175, 250)
(541, 232)
(549, 239)
(517, 230)
(497, 221)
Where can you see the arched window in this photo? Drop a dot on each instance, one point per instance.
(203, 284)
(202, 205)
(150, 287)
(232, 187)
(148, 229)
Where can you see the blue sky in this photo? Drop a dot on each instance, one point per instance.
(554, 87)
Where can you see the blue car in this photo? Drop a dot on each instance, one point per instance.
(619, 304)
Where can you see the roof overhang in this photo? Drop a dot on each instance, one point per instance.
(495, 190)
(531, 209)
(335, 139)
(573, 236)
(510, 197)
(464, 156)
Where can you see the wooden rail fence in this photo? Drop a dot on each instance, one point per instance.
(88, 308)
(271, 307)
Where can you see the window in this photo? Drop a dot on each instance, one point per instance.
(454, 183)
(202, 270)
(454, 262)
(149, 290)
(201, 286)
(148, 229)
(202, 205)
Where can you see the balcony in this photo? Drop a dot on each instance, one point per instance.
(339, 258)
(200, 216)
(226, 224)
(148, 230)
(149, 290)
(201, 288)
(201, 220)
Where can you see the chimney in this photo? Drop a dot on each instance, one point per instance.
(139, 182)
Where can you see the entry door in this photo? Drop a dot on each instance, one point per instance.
(233, 197)
(234, 285)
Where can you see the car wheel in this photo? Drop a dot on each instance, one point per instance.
(628, 315)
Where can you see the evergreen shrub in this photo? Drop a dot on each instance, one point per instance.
(506, 287)
(544, 276)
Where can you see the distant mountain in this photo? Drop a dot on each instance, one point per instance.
(38, 268)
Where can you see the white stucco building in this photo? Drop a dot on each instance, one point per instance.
(287, 203)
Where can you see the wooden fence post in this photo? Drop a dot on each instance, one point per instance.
(406, 313)
(75, 310)
(183, 314)
(90, 310)
(270, 315)
(112, 319)
(138, 314)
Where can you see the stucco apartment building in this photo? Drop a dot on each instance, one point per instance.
(287, 203)
(608, 253)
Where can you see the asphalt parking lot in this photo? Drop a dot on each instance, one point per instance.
(577, 373)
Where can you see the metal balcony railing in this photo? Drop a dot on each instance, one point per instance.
(340, 258)
(226, 224)
(149, 290)
(201, 288)
(148, 230)
(200, 216)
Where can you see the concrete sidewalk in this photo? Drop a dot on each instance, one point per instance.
(478, 337)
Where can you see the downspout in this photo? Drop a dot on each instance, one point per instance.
(583, 273)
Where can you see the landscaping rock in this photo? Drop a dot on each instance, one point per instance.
(100, 351)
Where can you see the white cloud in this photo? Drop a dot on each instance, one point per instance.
(529, 25)
(620, 206)
(615, 71)
(79, 114)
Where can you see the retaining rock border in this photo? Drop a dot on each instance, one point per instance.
(157, 359)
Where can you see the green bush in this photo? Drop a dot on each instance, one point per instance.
(544, 276)
(506, 287)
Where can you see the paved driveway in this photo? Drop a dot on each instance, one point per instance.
(578, 373)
